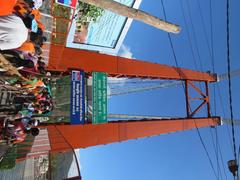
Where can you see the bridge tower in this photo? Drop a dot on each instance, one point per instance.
(63, 137)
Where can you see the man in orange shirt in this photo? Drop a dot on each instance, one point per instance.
(27, 47)
(6, 7)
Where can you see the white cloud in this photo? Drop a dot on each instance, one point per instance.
(125, 51)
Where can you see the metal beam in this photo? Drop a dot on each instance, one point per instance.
(119, 66)
(82, 136)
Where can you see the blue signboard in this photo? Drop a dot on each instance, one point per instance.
(77, 98)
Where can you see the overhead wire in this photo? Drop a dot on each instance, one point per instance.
(218, 147)
(194, 34)
(172, 47)
(213, 68)
(198, 132)
(205, 34)
(220, 152)
(205, 148)
(238, 154)
(188, 34)
(215, 149)
(211, 53)
(238, 161)
(190, 42)
(230, 87)
(194, 37)
(224, 115)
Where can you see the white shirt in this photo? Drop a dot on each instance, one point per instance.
(13, 32)
(37, 4)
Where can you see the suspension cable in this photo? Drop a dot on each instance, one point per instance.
(218, 148)
(230, 89)
(175, 59)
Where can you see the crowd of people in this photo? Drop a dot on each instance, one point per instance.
(21, 35)
(21, 43)
(32, 101)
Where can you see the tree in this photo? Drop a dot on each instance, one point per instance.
(136, 14)
(88, 13)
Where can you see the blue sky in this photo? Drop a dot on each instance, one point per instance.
(177, 155)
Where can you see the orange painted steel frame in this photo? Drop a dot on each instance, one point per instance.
(82, 136)
(63, 137)
(118, 66)
(204, 98)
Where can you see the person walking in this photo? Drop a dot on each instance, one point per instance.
(13, 32)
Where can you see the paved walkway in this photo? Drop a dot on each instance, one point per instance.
(16, 173)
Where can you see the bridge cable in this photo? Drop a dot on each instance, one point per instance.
(199, 135)
(230, 87)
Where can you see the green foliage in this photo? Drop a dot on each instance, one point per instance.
(61, 92)
(60, 25)
(61, 11)
(88, 13)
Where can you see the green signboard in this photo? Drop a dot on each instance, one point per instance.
(99, 94)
